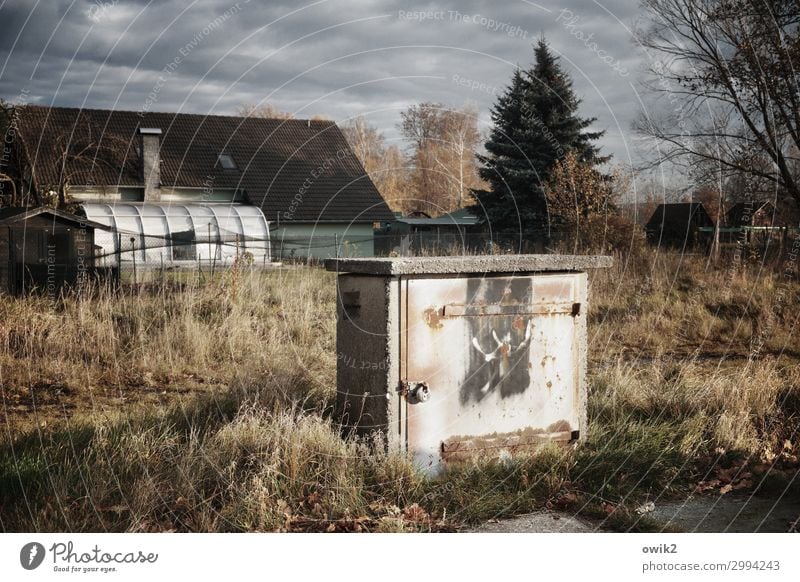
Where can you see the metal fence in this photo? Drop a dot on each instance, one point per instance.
(162, 255)
(142, 260)
(412, 244)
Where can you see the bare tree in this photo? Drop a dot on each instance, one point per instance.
(728, 73)
(385, 164)
(442, 154)
(264, 111)
(367, 143)
(460, 140)
(81, 151)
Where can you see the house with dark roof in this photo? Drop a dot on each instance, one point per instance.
(678, 224)
(275, 187)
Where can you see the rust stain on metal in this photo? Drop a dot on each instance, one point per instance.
(433, 317)
(478, 309)
(554, 289)
(462, 448)
(559, 426)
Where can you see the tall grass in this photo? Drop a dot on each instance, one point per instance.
(100, 346)
(682, 381)
(653, 303)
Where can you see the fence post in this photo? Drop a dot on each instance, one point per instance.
(210, 260)
(12, 260)
(118, 253)
(133, 254)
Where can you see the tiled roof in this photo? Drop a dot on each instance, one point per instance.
(303, 170)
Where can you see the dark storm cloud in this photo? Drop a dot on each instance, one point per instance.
(338, 58)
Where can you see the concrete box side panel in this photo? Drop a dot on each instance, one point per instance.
(581, 347)
(366, 368)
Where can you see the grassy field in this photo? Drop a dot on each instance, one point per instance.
(207, 408)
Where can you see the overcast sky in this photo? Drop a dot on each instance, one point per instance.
(337, 58)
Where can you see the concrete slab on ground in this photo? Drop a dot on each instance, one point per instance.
(538, 522)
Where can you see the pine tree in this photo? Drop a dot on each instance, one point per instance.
(536, 123)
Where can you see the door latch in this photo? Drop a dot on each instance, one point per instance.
(415, 392)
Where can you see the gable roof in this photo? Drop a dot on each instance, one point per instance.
(303, 170)
(740, 210)
(678, 214)
(19, 214)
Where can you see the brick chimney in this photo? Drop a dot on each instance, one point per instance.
(151, 163)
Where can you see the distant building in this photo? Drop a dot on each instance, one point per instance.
(760, 224)
(752, 214)
(190, 188)
(678, 225)
(459, 230)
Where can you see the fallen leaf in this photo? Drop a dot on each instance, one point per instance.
(415, 513)
(646, 508)
(761, 468)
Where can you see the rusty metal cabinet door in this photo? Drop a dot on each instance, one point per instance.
(489, 365)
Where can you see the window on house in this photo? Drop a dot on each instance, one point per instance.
(225, 161)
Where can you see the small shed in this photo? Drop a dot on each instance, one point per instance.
(753, 214)
(678, 224)
(44, 249)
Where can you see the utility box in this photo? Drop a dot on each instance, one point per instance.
(456, 357)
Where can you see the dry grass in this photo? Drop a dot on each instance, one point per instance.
(693, 373)
(102, 349)
(661, 304)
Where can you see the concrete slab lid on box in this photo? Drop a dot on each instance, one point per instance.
(468, 264)
(456, 357)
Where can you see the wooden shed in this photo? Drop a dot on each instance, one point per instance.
(44, 249)
(679, 225)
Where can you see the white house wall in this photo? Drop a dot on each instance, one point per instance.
(319, 241)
